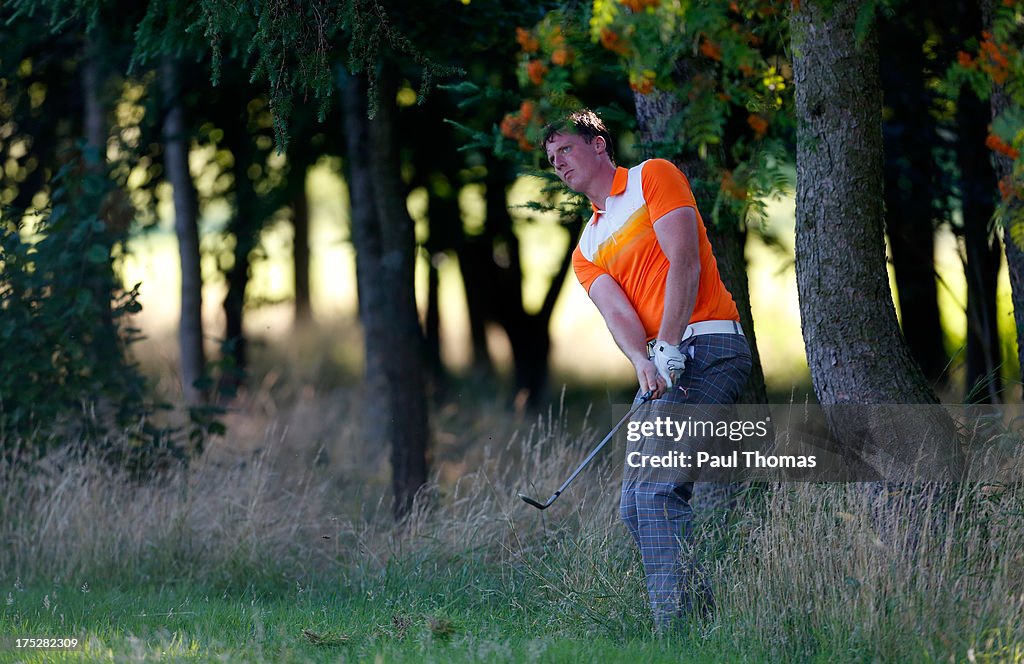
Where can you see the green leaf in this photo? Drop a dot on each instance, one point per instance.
(97, 254)
(83, 298)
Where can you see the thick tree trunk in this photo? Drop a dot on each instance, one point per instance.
(908, 136)
(655, 113)
(384, 238)
(854, 348)
(186, 228)
(1003, 167)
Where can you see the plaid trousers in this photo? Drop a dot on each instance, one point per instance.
(657, 510)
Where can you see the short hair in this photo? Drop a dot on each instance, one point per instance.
(583, 122)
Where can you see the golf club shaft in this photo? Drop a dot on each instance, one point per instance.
(643, 399)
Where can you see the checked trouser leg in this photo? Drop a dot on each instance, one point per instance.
(655, 508)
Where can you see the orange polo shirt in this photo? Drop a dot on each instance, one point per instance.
(620, 241)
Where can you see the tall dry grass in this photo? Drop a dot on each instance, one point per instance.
(293, 493)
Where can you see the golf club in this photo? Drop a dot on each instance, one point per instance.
(543, 506)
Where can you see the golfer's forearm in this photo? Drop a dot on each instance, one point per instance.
(620, 317)
(680, 298)
(628, 333)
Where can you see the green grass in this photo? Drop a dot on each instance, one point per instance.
(274, 556)
(464, 615)
(568, 595)
(417, 610)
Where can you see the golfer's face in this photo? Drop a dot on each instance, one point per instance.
(573, 159)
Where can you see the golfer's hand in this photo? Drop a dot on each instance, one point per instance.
(647, 376)
(669, 361)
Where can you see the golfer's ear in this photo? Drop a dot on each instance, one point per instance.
(600, 145)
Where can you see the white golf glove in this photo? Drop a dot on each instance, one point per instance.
(669, 361)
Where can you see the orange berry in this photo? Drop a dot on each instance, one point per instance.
(1005, 188)
(527, 41)
(510, 126)
(613, 42)
(536, 70)
(996, 144)
(758, 124)
(711, 50)
(526, 110)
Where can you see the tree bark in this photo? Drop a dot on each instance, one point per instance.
(854, 348)
(909, 134)
(1003, 167)
(186, 228)
(983, 253)
(655, 113)
(384, 239)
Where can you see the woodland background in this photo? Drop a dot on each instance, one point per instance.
(326, 230)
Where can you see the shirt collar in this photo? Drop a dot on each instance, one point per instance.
(618, 186)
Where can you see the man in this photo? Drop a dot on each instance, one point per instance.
(645, 260)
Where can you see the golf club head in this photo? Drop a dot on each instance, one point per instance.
(534, 503)
(543, 506)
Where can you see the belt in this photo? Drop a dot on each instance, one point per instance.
(712, 327)
(704, 327)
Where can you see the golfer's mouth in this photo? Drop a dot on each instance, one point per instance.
(565, 176)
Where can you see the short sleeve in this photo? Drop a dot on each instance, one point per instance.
(585, 270)
(665, 188)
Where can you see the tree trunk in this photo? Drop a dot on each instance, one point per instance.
(473, 254)
(854, 348)
(186, 228)
(492, 271)
(445, 225)
(300, 248)
(245, 228)
(99, 278)
(908, 136)
(432, 331)
(1003, 167)
(655, 113)
(384, 239)
(983, 259)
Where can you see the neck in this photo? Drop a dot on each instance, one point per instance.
(601, 185)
